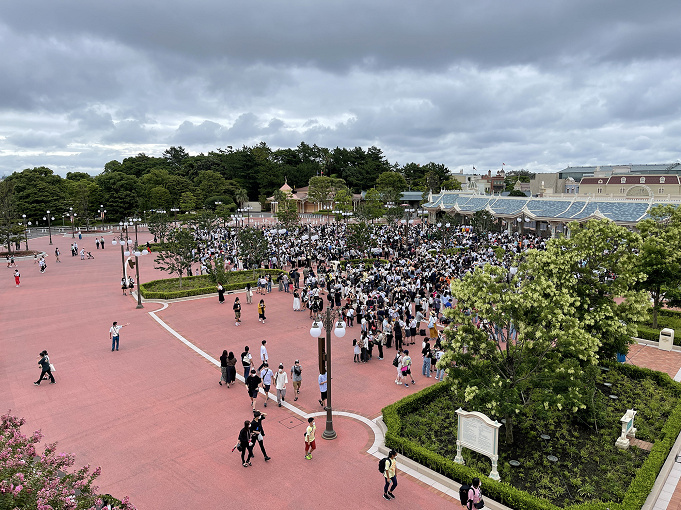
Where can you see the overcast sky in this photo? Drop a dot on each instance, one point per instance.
(533, 84)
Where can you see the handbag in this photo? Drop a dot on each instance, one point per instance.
(52, 369)
(260, 439)
(479, 504)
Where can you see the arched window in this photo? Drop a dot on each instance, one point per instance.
(642, 180)
(623, 180)
(661, 180)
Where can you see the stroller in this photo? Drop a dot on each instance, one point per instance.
(90, 255)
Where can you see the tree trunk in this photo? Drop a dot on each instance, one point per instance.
(180, 278)
(656, 305)
(509, 429)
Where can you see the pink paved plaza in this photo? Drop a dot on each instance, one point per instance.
(153, 416)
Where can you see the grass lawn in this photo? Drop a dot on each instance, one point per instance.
(589, 466)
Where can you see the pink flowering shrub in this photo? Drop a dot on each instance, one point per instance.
(29, 480)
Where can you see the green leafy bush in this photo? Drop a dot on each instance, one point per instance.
(168, 288)
(423, 427)
(665, 319)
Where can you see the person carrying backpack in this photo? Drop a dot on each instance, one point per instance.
(470, 495)
(388, 467)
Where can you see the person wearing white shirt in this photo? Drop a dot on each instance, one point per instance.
(280, 382)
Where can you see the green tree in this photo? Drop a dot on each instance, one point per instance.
(187, 201)
(10, 230)
(660, 257)
(159, 226)
(360, 236)
(159, 198)
(322, 190)
(287, 209)
(452, 184)
(177, 255)
(241, 197)
(252, 247)
(551, 319)
(373, 206)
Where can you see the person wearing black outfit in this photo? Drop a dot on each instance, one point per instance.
(246, 444)
(44, 363)
(253, 382)
(257, 432)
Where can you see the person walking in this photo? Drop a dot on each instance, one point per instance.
(114, 334)
(321, 380)
(427, 358)
(221, 293)
(17, 277)
(257, 432)
(296, 301)
(475, 495)
(264, 358)
(390, 475)
(406, 368)
(310, 444)
(56, 254)
(97, 242)
(124, 286)
(397, 362)
(261, 311)
(231, 368)
(249, 294)
(245, 444)
(101, 241)
(280, 382)
(253, 383)
(246, 359)
(266, 375)
(297, 378)
(237, 311)
(223, 367)
(45, 368)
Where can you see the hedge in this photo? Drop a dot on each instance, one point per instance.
(508, 495)
(180, 293)
(666, 319)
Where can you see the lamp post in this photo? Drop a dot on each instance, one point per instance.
(134, 221)
(123, 241)
(248, 210)
(101, 212)
(328, 320)
(25, 230)
(175, 210)
(73, 222)
(137, 270)
(49, 224)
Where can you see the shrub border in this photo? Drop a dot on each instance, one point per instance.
(502, 492)
(150, 294)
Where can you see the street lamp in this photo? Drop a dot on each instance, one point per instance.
(174, 210)
(73, 222)
(137, 270)
(49, 219)
(134, 221)
(101, 212)
(123, 241)
(330, 319)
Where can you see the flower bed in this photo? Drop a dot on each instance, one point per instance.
(591, 472)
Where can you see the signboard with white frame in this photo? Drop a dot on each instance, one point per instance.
(479, 433)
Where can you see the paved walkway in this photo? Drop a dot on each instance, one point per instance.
(152, 414)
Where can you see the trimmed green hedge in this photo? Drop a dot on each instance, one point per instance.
(241, 279)
(665, 319)
(508, 495)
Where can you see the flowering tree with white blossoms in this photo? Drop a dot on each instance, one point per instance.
(41, 481)
(529, 340)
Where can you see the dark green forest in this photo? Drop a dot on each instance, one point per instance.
(178, 181)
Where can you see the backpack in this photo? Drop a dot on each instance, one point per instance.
(463, 494)
(296, 370)
(381, 465)
(396, 361)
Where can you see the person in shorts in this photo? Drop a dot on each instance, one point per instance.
(406, 368)
(253, 383)
(310, 444)
(237, 312)
(266, 375)
(321, 380)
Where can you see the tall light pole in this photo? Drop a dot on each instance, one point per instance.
(25, 230)
(123, 241)
(49, 224)
(134, 221)
(101, 212)
(137, 269)
(329, 320)
(73, 222)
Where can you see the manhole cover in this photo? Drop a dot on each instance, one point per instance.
(291, 422)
